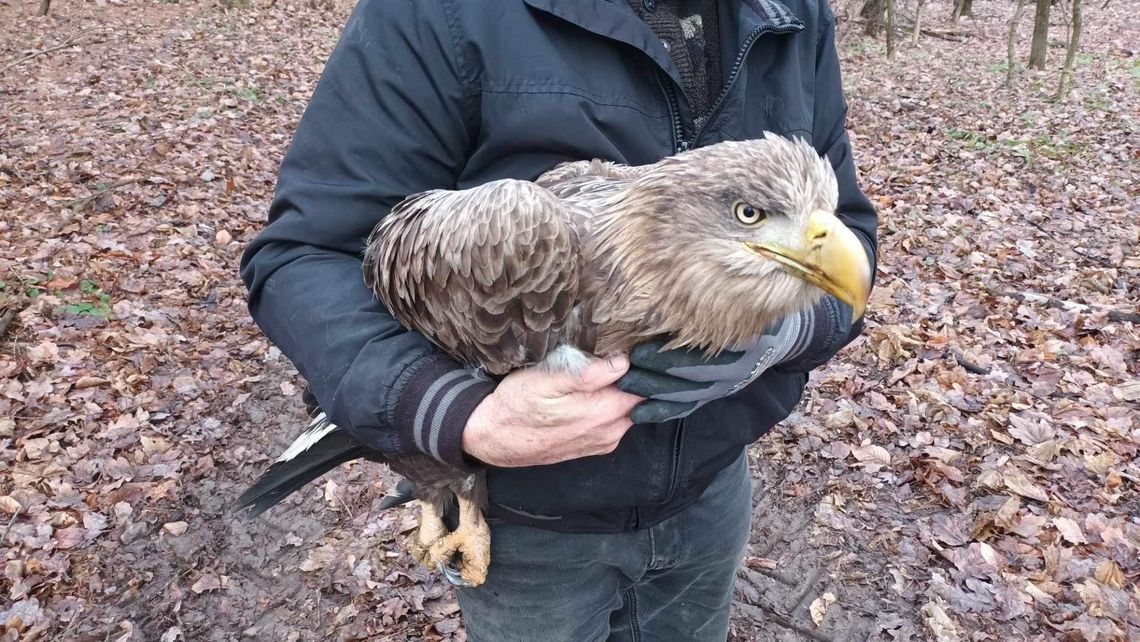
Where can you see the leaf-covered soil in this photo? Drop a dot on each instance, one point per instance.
(966, 470)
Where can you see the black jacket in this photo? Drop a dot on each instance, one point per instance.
(423, 94)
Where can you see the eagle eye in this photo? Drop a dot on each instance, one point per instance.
(747, 214)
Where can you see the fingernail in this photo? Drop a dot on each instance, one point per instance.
(616, 362)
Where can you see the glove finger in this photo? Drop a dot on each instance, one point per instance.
(649, 383)
(655, 412)
(651, 356)
(646, 352)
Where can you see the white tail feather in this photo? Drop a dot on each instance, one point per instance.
(318, 428)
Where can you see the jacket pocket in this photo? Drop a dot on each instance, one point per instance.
(639, 472)
(528, 127)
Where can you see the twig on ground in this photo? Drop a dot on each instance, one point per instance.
(69, 42)
(968, 365)
(9, 528)
(1119, 316)
(1091, 257)
(6, 319)
(955, 36)
(77, 204)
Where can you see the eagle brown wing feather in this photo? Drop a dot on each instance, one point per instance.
(489, 274)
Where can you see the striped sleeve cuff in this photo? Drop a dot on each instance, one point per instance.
(805, 332)
(433, 407)
(822, 330)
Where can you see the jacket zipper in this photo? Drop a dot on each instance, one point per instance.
(679, 142)
(673, 481)
(737, 64)
(674, 469)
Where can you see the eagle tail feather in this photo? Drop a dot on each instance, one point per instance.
(322, 447)
(404, 493)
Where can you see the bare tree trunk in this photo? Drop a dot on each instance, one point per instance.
(44, 6)
(917, 23)
(1011, 44)
(961, 8)
(890, 28)
(872, 12)
(1071, 53)
(1039, 48)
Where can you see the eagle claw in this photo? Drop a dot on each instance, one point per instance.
(435, 547)
(453, 576)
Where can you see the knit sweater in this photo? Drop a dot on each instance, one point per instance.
(690, 33)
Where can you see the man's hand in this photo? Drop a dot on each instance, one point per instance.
(536, 418)
(677, 382)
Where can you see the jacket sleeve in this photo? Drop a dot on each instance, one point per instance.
(829, 325)
(390, 116)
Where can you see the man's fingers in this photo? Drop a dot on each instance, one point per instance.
(595, 376)
(650, 383)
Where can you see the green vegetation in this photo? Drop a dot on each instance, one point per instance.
(1058, 148)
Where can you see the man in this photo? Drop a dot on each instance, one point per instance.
(605, 526)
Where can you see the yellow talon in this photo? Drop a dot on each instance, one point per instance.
(434, 547)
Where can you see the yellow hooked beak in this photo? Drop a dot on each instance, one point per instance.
(833, 260)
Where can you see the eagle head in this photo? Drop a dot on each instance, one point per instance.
(719, 242)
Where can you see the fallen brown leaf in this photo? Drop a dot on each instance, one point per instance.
(1109, 574)
(819, 606)
(1020, 483)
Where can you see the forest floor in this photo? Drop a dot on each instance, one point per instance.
(967, 470)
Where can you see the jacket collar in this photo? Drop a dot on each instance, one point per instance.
(767, 14)
(615, 20)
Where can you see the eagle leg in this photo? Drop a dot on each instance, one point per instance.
(431, 530)
(471, 541)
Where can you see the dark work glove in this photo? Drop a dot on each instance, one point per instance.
(677, 382)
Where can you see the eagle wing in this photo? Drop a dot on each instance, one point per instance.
(586, 186)
(488, 274)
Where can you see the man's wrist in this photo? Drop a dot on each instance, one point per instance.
(481, 418)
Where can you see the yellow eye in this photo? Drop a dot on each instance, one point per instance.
(747, 214)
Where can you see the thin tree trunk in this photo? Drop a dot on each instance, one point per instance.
(1039, 48)
(961, 8)
(44, 6)
(890, 28)
(917, 23)
(1011, 44)
(872, 12)
(1071, 53)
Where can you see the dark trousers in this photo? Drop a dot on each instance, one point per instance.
(670, 582)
